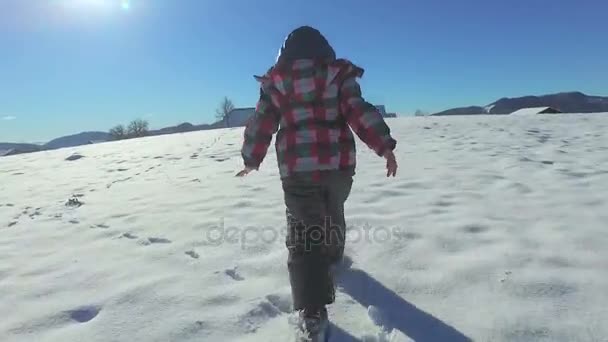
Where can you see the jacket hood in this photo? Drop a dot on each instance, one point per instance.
(274, 78)
(305, 43)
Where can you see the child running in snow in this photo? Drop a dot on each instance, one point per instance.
(311, 99)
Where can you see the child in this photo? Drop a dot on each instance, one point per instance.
(311, 98)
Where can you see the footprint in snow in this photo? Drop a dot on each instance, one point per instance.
(253, 319)
(192, 254)
(282, 302)
(507, 274)
(444, 203)
(129, 236)
(475, 228)
(33, 215)
(74, 202)
(525, 159)
(156, 240)
(232, 273)
(74, 157)
(84, 314)
(102, 226)
(544, 138)
(196, 329)
(11, 224)
(118, 181)
(520, 188)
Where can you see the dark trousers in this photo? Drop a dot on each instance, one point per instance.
(316, 234)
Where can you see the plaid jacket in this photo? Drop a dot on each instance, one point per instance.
(311, 105)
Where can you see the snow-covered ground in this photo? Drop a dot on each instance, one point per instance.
(496, 229)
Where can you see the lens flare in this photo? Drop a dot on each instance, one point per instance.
(125, 5)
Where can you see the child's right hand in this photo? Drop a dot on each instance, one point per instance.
(391, 163)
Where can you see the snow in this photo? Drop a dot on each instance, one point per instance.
(494, 230)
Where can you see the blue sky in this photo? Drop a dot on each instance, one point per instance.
(73, 65)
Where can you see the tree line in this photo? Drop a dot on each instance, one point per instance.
(140, 128)
(135, 129)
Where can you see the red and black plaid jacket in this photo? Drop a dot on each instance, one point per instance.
(311, 105)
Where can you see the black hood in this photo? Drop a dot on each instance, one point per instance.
(305, 43)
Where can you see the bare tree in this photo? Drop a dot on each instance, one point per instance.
(118, 132)
(138, 128)
(224, 110)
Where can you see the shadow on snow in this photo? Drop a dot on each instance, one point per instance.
(398, 313)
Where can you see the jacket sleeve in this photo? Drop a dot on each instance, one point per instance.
(365, 120)
(259, 131)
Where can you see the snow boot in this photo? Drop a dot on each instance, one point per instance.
(314, 324)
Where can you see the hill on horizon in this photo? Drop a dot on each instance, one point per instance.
(76, 139)
(20, 147)
(567, 102)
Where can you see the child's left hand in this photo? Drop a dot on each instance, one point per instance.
(244, 172)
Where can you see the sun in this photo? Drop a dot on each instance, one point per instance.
(125, 5)
(97, 6)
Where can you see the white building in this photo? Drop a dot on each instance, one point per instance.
(238, 117)
(536, 110)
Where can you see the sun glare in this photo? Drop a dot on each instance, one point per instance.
(125, 5)
(98, 5)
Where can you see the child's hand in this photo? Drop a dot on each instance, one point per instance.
(391, 163)
(244, 172)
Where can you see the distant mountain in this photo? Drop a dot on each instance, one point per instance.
(8, 146)
(76, 140)
(12, 148)
(90, 137)
(181, 128)
(572, 102)
(463, 111)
